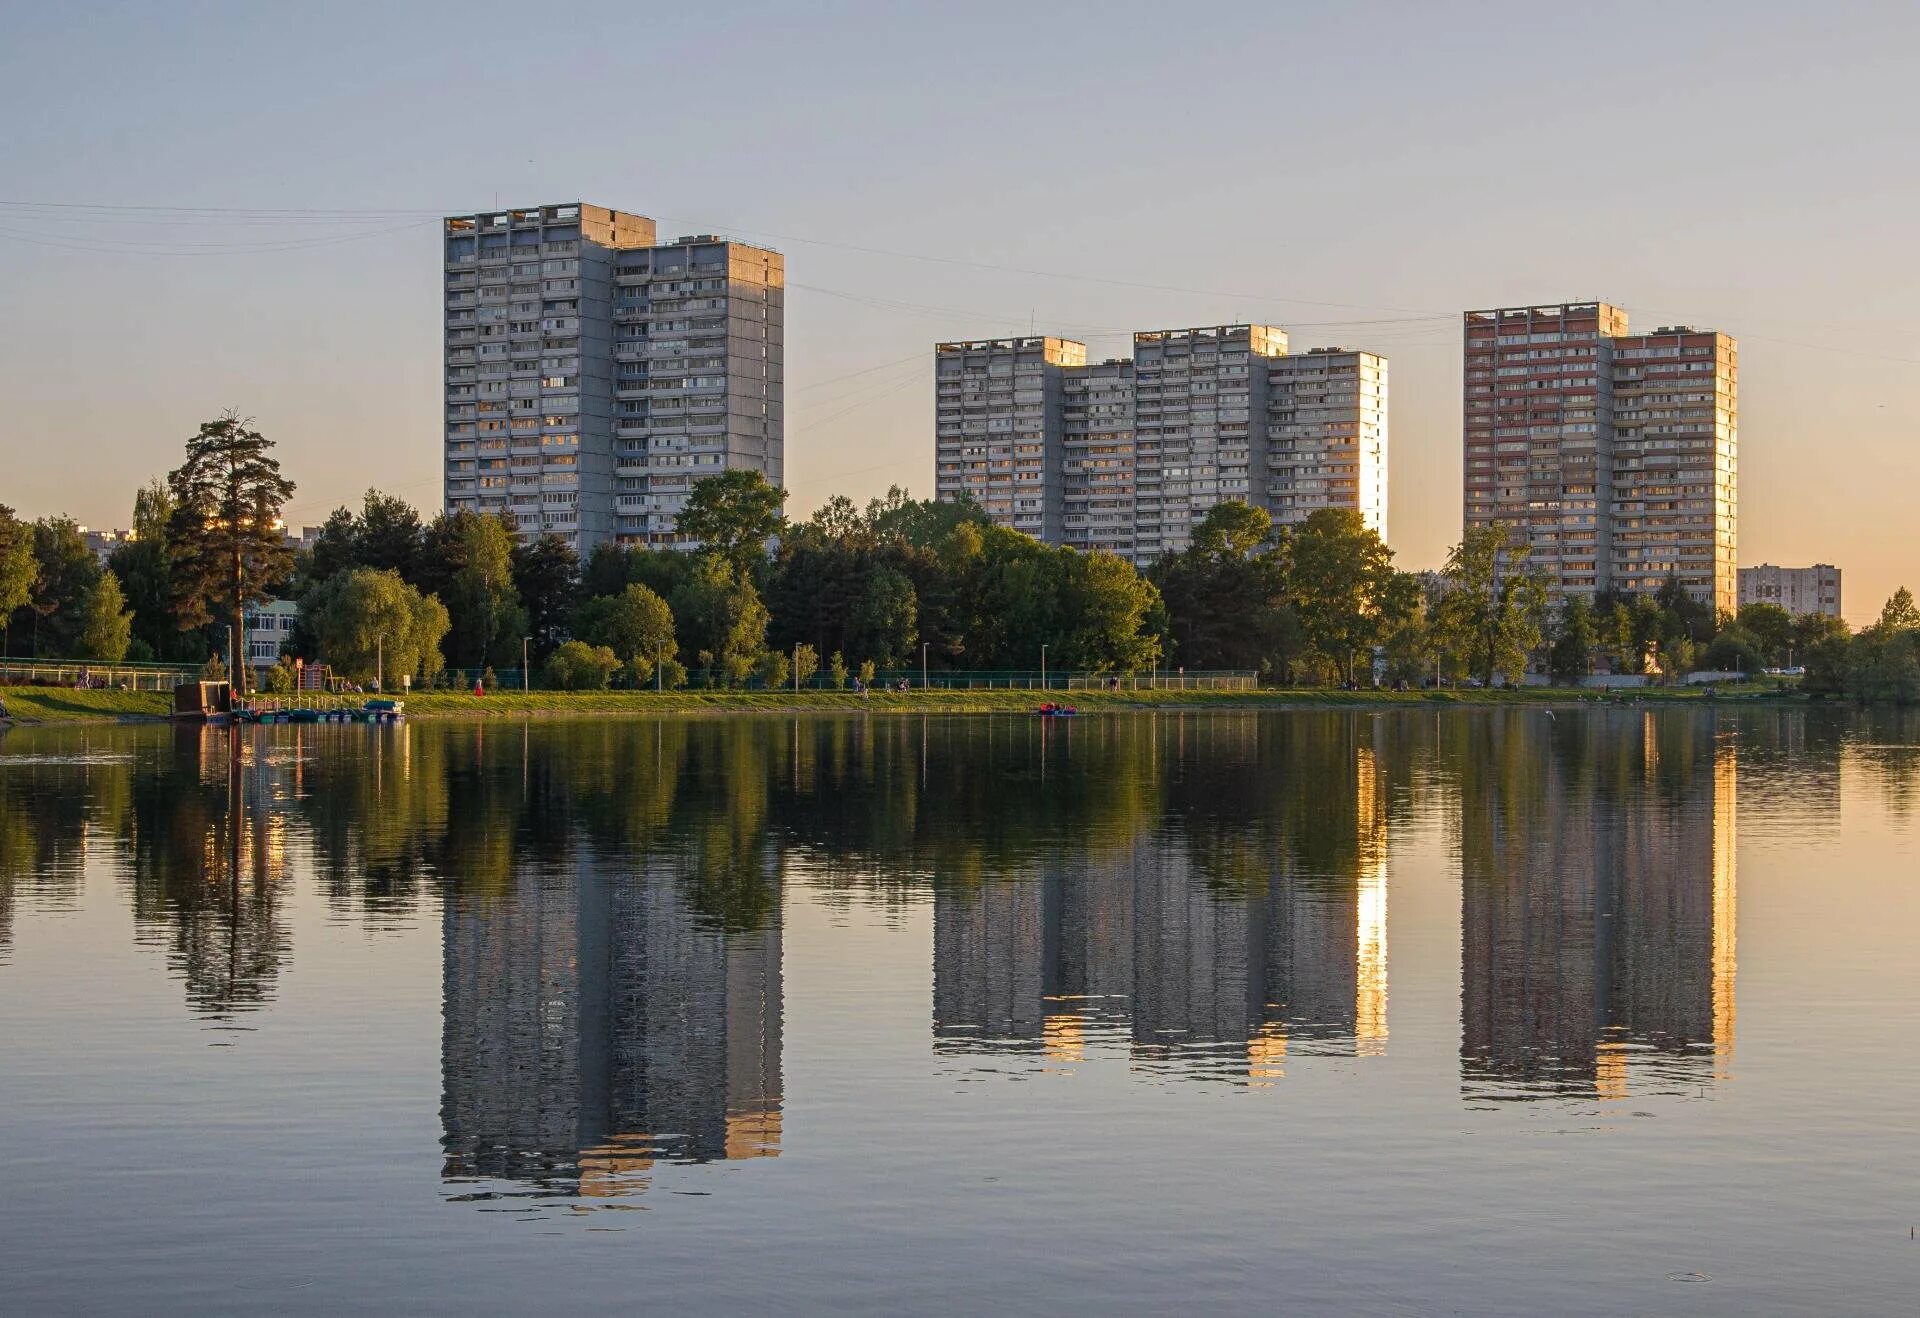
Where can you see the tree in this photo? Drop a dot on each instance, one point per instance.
(65, 572)
(106, 628)
(1405, 631)
(1574, 634)
(1899, 613)
(721, 618)
(224, 537)
(1734, 649)
(837, 670)
(772, 670)
(337, 548)
(1225, 596)
(367, 623)
(1824, 647)
(388, 536)
(733, 515)
(1489, 619)
(144, 567)
(1771, 627)
(806, 663)
(577, 666)
(546, 576)
(1104, 607)
(467, 560)
(883, 618)
(636, 625)
(1340, 572)
(17, 566)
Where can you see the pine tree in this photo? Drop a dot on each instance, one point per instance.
(224, 536)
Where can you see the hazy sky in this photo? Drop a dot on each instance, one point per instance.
(1358, 174)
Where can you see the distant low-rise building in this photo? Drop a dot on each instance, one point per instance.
(1798, 590)
(103, 543)
(268, 628)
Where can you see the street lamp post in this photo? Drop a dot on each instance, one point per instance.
(796, 668)
(380, 662)
(1043, 668)
(923, 665)
(523, 666)
(657, 678)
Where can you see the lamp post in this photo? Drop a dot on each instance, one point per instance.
(923, 665)
(523, 665)
(1043, 668)
(657, 679)
(380, 662)
(796, 668)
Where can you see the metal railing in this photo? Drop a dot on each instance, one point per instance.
(963, 679)
(95, 673)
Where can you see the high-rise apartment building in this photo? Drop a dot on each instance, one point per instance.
(1798, 590)
(1613, 455)
(1126, 455)
(592, 374)
(1000, 427)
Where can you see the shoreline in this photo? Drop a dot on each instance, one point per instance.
(54, 705)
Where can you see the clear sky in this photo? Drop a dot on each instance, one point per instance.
(1359, 174)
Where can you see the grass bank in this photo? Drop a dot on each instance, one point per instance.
(54, 704)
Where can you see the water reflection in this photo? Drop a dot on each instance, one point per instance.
(595, 1022)
(1598, 903)
(1211, 944)
(1191, 895)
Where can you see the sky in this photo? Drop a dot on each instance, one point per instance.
(1357, 174)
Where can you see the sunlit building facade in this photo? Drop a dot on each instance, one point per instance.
(592, 374)
(1613, 456)
(1798, 590)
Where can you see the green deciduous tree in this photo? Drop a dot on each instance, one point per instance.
(1574, 635)
(721, 618)
(65, 572)
(577, 666)
(546, 576)
(367, 623)
(1341, 569)
(636, 625)
(17, 566)
(467, 560)
(733, 515)
(224, 538)
(1489, 620)
(1771, 627)
(106, 628)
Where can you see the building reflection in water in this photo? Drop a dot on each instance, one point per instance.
(1598, 907)
(1208, 951)
(594, 1023)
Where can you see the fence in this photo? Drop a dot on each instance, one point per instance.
(77, 672)
(509, 679)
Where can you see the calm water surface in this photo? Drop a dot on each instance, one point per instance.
(1399, 1012)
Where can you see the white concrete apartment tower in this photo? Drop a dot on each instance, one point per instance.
(569, 334)
(1126, 455)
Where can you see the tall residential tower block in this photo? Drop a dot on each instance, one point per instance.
(1613, 455)
(592, 373)
(1126, 455)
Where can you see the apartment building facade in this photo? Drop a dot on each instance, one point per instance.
(1614, 455)
(1126, 455)
(1798, 590)
(592, 374)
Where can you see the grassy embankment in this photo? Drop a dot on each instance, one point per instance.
(55, 704)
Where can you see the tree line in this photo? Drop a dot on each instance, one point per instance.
(853, 591)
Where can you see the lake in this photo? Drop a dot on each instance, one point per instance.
(1452, 1010)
